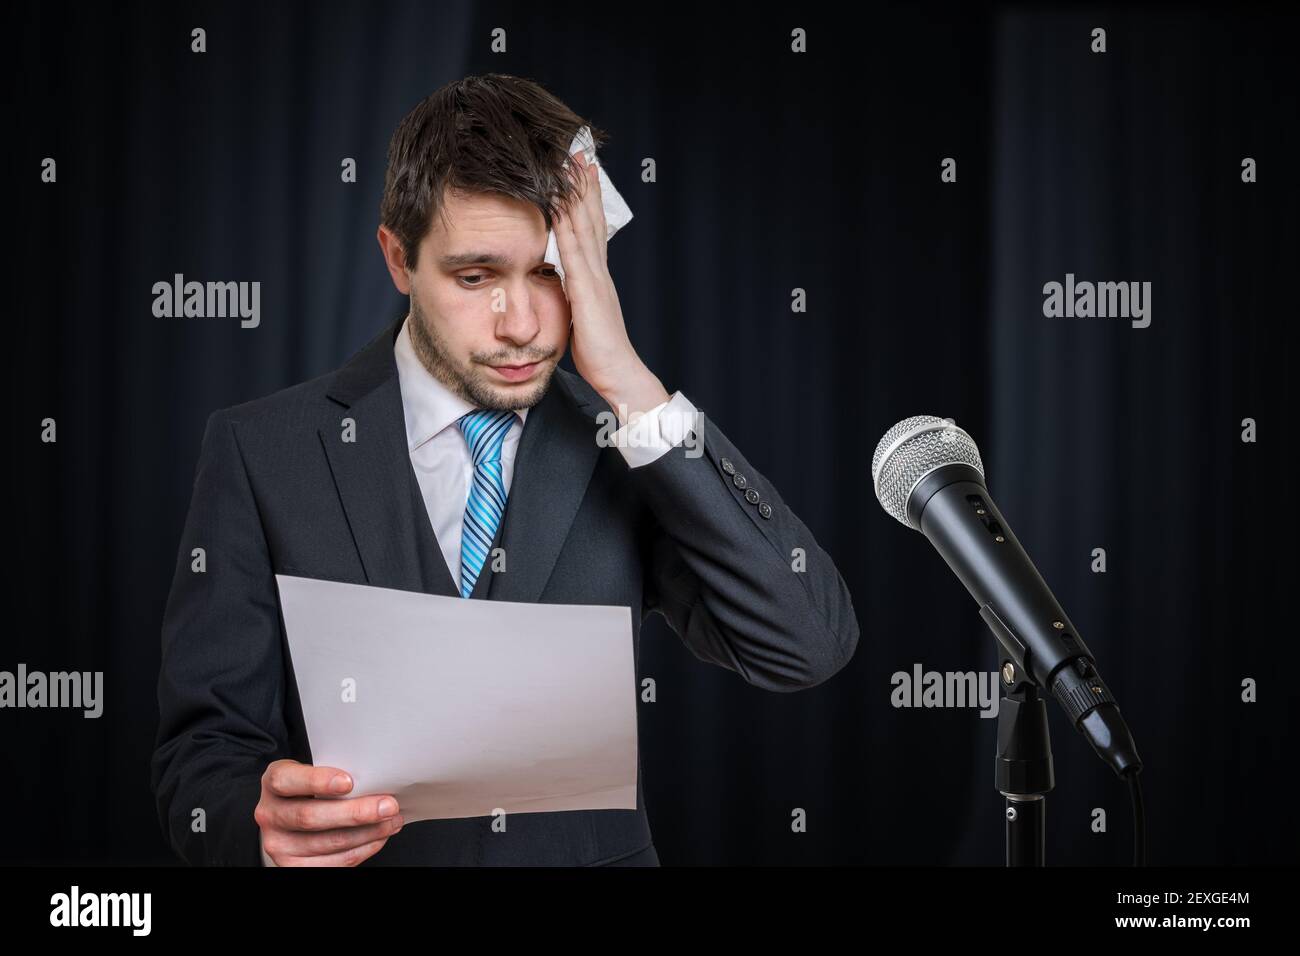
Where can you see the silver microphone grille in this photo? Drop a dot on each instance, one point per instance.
(911, 450)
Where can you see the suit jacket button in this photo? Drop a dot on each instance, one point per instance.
(739, 481)
(751, 496)
(765, 510)
(728, 467)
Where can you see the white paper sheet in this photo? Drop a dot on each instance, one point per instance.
(464, 708)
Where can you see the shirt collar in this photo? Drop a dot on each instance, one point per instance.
(430, 406)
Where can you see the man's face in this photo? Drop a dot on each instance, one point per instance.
(482, 298)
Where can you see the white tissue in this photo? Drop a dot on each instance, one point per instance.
(617, 214)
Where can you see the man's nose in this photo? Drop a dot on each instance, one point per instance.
(518, 322)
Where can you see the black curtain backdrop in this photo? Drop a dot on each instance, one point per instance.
(776, 171)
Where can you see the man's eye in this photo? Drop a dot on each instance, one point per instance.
(549, 273)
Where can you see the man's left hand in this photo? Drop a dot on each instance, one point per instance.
(602, 352)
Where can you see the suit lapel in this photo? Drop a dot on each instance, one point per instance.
(373, 474)
(374, 478)
(553, 464)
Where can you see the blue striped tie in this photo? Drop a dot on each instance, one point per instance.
(484, 431)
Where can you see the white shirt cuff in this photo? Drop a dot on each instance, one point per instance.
(648, 436)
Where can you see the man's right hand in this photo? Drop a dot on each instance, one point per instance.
(299, 830)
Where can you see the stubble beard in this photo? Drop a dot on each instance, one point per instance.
(471, 384)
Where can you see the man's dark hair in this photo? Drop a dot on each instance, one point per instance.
(491, 133)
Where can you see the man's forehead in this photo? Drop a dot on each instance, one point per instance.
(487, 230)
(485, 208)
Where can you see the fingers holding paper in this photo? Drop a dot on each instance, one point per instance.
(300, 830)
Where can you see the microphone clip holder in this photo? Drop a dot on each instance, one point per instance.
(1023, 767)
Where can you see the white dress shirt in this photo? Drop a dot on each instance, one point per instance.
(445, 469)
(439, 453)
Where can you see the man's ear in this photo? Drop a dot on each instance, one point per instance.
(395, 259)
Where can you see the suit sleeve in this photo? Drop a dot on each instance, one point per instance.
(733, 570)
(222, 677)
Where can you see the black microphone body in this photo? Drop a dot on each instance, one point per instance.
(951, 506)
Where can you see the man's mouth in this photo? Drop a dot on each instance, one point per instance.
(516, 373)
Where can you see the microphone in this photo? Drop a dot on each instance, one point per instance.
(927, 474)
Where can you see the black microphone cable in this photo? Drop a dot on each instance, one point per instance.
(1139, 819)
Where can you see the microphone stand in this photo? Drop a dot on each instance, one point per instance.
(1022, 769)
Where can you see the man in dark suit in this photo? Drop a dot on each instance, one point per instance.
(452, 456)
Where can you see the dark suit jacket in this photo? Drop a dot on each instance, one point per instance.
(277, 490)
